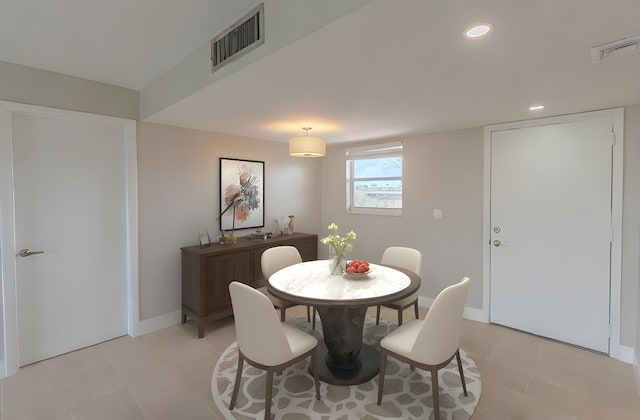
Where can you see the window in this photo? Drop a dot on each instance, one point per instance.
(374, 179)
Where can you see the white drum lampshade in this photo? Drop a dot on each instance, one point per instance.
(307, 146)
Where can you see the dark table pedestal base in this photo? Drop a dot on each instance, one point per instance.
(368, 368)
(342, 357)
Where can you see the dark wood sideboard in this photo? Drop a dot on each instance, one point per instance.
(207, 272)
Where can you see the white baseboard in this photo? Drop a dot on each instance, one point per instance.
(159, 322)
(425, 302)
(636, 367)
(473, 314)
(627, 355)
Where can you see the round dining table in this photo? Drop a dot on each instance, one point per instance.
(342, 302)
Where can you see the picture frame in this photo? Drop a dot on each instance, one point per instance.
(204, 239)
(241, 194)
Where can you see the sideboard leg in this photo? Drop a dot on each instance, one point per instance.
(200, 328)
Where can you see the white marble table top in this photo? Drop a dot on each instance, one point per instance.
(311, 279)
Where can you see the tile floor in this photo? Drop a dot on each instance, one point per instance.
(166, 375)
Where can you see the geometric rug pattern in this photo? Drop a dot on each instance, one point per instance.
(407, 393)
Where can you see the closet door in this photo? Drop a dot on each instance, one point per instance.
(70, 203)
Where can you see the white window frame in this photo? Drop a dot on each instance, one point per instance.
(370, 152)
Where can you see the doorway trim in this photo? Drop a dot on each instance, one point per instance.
(617, 117)
(10, 361)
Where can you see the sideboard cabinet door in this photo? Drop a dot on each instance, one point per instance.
(219, 272)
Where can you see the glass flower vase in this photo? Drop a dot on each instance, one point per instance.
(337, 262)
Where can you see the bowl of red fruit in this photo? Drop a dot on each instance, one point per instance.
(357, 269)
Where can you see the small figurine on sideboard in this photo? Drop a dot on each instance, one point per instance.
(290, 226)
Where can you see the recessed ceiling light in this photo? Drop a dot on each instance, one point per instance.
(536, 107)
(478, 30)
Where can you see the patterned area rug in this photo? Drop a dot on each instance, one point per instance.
(407, 394)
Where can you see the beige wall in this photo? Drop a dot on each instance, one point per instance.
(178, 193)
(441, 171)
(445, 171)
(32, 86)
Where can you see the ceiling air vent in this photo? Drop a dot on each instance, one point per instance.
(617, 49)
(240, 38)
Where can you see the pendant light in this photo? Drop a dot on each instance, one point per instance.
(307, 146)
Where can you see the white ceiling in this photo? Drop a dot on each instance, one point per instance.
(388, 69)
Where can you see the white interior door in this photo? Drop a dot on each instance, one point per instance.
(70, 202)
(551, 189)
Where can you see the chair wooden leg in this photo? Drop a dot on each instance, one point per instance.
(268, 395)
(378, 315)
(308, 314)
(236, 385)
(283, 314)
(313, 320)
(415, 308)
(314, 367)
(383, 367)
(399, 317)
(459, 360)
(435, 393)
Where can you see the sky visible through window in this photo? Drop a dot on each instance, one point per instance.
(378, 168)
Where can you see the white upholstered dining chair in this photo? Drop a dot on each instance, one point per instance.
(432, 343)
(277, 258)
(266, 343)
(409, 259)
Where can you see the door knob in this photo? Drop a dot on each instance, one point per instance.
(497, 243)
(27, 252)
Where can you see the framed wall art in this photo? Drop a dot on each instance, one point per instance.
(241, 194)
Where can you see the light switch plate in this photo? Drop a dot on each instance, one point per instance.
(437, 213)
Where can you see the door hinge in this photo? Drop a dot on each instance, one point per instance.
(613, 137)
